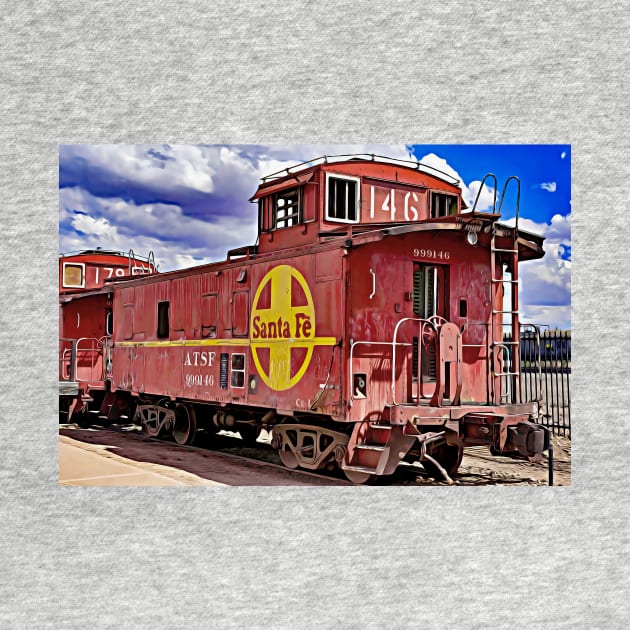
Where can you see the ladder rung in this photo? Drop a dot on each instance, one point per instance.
(510, 251)
(497, 280)
(505, 312)
(505, 343)
(507, 373)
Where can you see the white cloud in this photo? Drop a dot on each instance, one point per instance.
(469, 192)
(548, 317)
(545, 284)
(549, 186)
(223, 178)
(94, 227)
(175, 239)
(158, 167)
(487, 198)
(220, 178)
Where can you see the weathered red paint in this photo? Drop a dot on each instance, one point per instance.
(91, 269)
(85, 323)
(321, 321)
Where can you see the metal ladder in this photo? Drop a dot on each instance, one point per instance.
(510, 365)
(499, 346)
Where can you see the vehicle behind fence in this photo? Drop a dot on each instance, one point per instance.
(545, 359)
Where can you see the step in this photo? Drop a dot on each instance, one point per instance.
(371, 447)
(387, 427)
(363, 469)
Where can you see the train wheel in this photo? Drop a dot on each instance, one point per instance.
(449, 457)
(358, 477)
(288, 458)
(185, 425)
(249, 432)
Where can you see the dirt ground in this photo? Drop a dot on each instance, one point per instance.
(166, 459)
(479, 467)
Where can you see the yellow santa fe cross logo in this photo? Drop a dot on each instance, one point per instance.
(282, 327)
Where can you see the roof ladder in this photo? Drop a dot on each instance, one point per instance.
(505, 354)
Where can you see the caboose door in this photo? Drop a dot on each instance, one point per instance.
(429, 301)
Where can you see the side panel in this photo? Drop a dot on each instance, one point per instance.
(83, 320)
(382, 296)
(295, 324)
(266, 334)
(379, 275)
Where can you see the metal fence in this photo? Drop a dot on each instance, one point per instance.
(545, 359)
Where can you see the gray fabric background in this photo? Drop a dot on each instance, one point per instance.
(324, 71)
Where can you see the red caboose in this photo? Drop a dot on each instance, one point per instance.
(365, 327)
(86, 322)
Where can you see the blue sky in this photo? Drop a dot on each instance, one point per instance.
(189, 203)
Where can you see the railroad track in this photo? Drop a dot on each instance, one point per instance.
(251, 461)
(259, 464)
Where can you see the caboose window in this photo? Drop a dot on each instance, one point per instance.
(237, 378)
(163, 323)
(425, 291)
(286, 208)
(342, 195)
(443, 205)
(74, 275)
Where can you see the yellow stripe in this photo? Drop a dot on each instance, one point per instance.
(185, 342)
(314, 341)
(311, 341)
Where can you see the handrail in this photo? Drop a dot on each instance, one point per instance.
(533, 328)
(369, 343)
(496, 185)
(96, 348)
(139, 269)
(373, 274)
(518, 199)
(131, 255)
(151, 261)
(507, 357)
(326, 159)
(424, 322)
(70, 347)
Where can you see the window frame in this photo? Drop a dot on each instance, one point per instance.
(63, 275)
(297, 215)
(440, 193)
(237, 371)
(351, 178)
(162, 320)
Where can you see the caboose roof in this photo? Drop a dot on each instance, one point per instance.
(303, 172)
